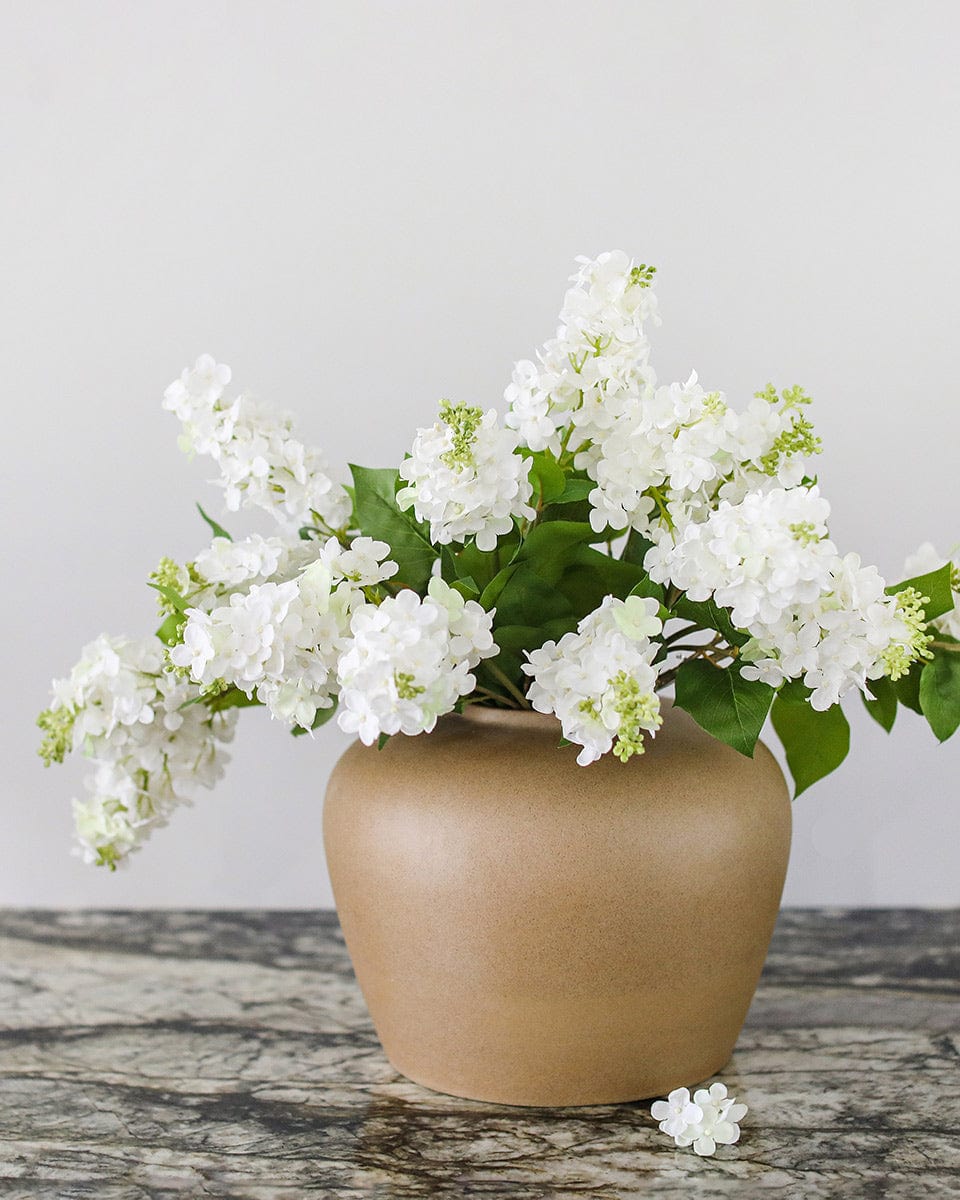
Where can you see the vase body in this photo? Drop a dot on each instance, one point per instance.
(529, 931)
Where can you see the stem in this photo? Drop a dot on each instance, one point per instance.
(662, 505)
(952, 647)
(508, 684)
(679, 633)
(487, 694)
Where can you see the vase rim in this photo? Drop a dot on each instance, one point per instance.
(488, 715)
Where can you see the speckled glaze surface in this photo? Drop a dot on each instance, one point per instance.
(153, 1055)
(527, 931)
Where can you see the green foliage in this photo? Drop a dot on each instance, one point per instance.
(548, 479)
(935, 586)
(217, 529)
(523, 597)
(815, 743)
(709, 615)
(940, 690)
(590, 575)
(479, 566)
(231, 698)
(174, 600)
(376, 515)
(575, 490)
(723, 703)
(171, 631)
(636, 548)
(883, 705)
(549, 548)
(907, 689)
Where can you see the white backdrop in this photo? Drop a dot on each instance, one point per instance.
(364, 207)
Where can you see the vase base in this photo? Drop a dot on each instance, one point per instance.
(556, 1093)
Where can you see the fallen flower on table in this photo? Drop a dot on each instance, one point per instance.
(710, 1119)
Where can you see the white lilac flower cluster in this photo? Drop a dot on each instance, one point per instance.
(811, 614)
(128, 713)
(394, 665)
(261, 463)
(587, 376)
(710, 1119)
(281, 640)
(409, 660)
(724, 497)
(928, 558)
(465, 478)
(600, 681)
(225, 567)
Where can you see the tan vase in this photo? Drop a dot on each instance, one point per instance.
(528, 931)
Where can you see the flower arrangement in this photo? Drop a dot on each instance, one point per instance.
(610, 538)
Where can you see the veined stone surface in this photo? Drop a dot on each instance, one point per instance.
(153, 1055)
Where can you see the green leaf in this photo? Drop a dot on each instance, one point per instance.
(171, 595)
(550, 546)
(490, 595)
(936, 585)
(816, 743)
(169, 631)
(218, 530)
(940, 693)
(467, 588)
(709, 615)
(547, 478)
(233, 698)
(591, 575)
(795, 690)
(907, 689)
(322, 717)
(526, 598)
(636, 549)
(482, 565)
(376, 515)
(723, 703)
(382, 740)
(883, 706)
(575, 490)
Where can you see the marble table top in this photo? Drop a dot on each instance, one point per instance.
(223, 1054)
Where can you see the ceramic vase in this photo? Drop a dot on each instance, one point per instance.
(528, 931)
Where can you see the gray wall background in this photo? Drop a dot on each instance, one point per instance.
(364, 207)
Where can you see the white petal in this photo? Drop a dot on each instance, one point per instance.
(660, 1110)
(704, 1145)
(726, 1133)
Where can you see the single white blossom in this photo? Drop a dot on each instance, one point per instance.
(676, 1113)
